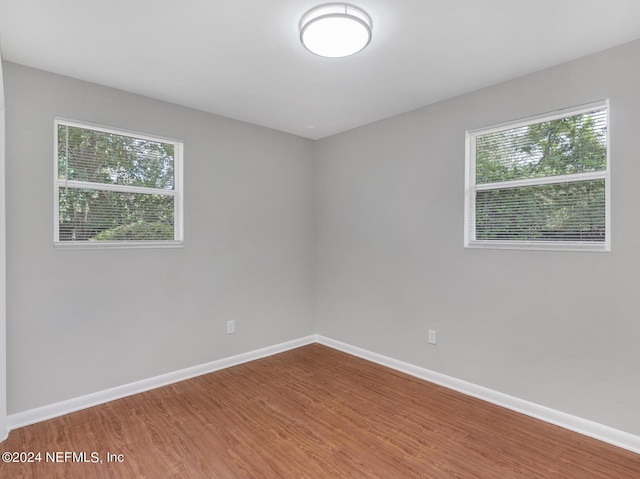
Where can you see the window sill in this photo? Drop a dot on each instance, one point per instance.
(540, 246)
(92, 245)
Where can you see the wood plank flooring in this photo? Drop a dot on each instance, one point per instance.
(312, 412)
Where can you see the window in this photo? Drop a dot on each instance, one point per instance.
(115, 188)
(541, 183)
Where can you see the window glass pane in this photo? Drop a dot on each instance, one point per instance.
(95, 215)
(572, 211)
(576, 144)
(99, 157)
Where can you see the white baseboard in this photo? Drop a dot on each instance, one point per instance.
(586, 427)
(583, 426)
(43, 413)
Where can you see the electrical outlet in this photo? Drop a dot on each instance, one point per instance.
(231, 327)
(433, 336)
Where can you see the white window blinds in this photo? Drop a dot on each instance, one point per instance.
(116, 188)
(541, 182)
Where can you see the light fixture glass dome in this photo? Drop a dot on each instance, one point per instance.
(335, 30)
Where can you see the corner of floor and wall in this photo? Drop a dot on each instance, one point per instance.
(354, 241)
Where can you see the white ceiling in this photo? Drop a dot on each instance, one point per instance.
(242, 58)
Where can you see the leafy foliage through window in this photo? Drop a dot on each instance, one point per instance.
(541, 182)
(115, 187)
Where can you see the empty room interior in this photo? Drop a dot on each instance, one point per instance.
(230, 250)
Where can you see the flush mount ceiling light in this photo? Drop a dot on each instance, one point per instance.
(335, 30)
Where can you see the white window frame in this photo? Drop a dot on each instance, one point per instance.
(471, 188)
(176, 193)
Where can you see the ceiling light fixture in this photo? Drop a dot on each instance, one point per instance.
(335, 30)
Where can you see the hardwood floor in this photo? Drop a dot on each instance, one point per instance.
(312, 412)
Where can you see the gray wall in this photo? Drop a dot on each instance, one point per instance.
(560, 329)
(83, 321)
(556, 328)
